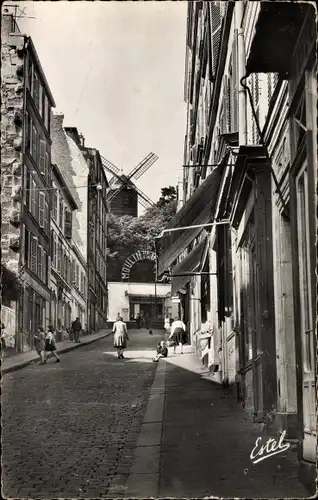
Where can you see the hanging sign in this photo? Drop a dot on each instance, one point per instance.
(131, 261)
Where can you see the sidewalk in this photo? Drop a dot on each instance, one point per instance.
(20, 360)
(196, 442)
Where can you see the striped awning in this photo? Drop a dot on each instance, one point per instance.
(181, 273)
(199, 209)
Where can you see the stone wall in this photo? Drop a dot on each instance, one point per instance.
(12, 99)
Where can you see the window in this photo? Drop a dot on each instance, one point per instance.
(42, 157)
(28, 132)
(30, 77)
(33, 253)
(36, 90)
(77, 276)
(34, 199)
(40, 262)
(46, 217)
(61, 215)
(59, 256)
(68, 224)
(41, 97)
(47, 167)
(82, 282)
(55, 202)
(34, 143)
(41, 209)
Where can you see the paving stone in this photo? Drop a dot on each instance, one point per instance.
(73, 426)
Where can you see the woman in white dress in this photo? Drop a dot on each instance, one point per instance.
(120, 336)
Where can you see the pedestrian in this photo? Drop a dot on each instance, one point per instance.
(138, 321)
(3, 337)
(40, 344)
(120, 336)
(178, 334)
(76, 328)
(162, 351)
(50, 344)
(167, 324)
(146, 317)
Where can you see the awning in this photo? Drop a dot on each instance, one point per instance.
(192, 263)
(276, 33)
(199, 209)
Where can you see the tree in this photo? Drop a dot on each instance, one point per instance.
(126, 235)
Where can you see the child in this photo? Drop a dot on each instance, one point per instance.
(162, 351)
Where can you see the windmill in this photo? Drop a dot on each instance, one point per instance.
(125, 180)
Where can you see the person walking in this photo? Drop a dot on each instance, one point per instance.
(40, 344)
(76, 328)
(138, 321)
(178, 334)
(120, 336)
(50, 344)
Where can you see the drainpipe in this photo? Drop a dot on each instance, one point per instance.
(241, 73)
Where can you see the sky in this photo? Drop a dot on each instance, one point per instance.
(116, 71)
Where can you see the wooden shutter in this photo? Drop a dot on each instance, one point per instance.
(46, 216)
(34, 194)
(47, 166)
(215, 24)
(77, 276)
(59, 252)
(82, 282)
(34, 245)
(73, 271)
(234, 86)
(39, 261)
(42, 156)
(55, 202)
(44, 266)
(41, 209)
(68, 224)
(34, 143)
(52, 244)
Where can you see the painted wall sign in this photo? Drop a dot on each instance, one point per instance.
(131, 261)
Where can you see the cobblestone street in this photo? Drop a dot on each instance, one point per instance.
(70, 428)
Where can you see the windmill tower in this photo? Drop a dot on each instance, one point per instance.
(123, 195)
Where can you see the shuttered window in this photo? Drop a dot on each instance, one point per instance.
(46, 216)
(68, 224)
(36, 90)
(44, 267)
(234, 86)
(59, 255)
(61, 215)
(42, 157)
(34, 245)
(40, 262)
(77, 276)
(34, 194)
(47, 166)
(215, 26)
(34, 143)
(73, 271)
(82, 282)
(55, 202)
(41, 209)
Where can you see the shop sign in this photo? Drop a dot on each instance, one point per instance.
(131, 261)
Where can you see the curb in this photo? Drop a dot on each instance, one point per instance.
(62, 351)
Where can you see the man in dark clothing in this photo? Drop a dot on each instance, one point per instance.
(76, 328)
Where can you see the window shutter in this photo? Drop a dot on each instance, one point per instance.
(41, 209)
(42, 157)
(34, 196)
(44, 266)
(68, 224)
(234, 85)
(55, 201)
(46, 216)
(73, 271)
(82, 282)
(40, 262)
(77, 276)
(34, 143)
(52, 245)
(47, 166)
(34, 244)
(59, 252)
(215, 23)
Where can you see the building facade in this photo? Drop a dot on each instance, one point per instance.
(26, 173)
(61, 280)
(79, 287)
(246, 280)
(83, 172)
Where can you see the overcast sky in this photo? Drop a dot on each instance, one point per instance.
(116, 71)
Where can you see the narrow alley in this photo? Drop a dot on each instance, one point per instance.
(93, 426)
